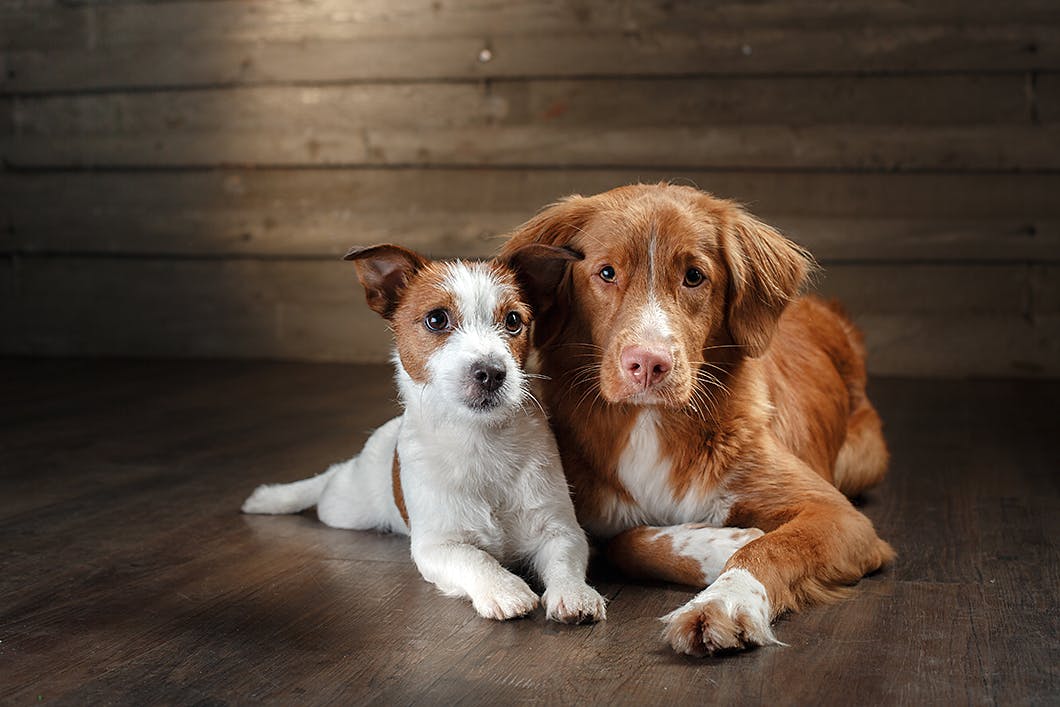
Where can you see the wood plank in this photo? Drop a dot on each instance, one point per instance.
(44, 24)
(986, 148)
(919, 320)
(611, 103)
(948, 122)
(189, 602)
(665, 48)
(321, 213)
(244, 309)
(346, 126)
(1046, 95)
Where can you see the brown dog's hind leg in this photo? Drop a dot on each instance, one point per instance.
(863, 458)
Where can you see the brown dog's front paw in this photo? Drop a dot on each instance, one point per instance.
(732, 614)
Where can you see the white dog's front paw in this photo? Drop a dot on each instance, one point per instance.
(574, 604)
(508, 598)
(731, 614)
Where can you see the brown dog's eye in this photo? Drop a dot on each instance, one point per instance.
(693, 278)
(436, 320)
(607, 273)
(513, 323)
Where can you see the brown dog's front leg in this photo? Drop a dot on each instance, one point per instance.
(821, 546)
(693, 553)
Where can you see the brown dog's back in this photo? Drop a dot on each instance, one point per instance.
(815, 369)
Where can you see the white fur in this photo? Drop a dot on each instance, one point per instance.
(654, 324)
(482, 488)
(710, 547)
(645, 474)
(738, 595)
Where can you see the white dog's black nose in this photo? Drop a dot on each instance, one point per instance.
(489, 375)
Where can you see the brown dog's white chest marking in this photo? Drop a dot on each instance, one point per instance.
(645, 472)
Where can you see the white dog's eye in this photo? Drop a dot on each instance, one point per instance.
(513, 323)
(436, 320)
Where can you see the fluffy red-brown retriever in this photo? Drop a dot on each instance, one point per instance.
(709, 418)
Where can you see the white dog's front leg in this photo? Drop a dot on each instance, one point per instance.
(459, 569)
(561, 560)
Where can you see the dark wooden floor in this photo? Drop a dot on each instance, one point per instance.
(129, 576)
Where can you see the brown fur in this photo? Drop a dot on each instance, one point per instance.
(642, 552)
(399, 495)
(766, 397)
(403, 286)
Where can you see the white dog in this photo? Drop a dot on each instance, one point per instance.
(470, 470)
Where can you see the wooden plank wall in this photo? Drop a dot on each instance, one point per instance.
(179, 177)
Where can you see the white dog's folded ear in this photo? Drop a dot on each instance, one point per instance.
(766, 270)
(384, 270)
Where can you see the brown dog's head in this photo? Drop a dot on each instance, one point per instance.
(672, 280)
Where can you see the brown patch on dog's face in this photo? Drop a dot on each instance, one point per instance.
(512, 313)
(630, 290)
(430, 311)
(414, 332)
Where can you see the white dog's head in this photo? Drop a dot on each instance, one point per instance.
(461, 328)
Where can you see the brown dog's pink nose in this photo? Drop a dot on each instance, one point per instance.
(646, 367)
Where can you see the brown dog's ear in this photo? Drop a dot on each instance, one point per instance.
(556, 225)
(384, 270)
(540, 269)
(766, 271)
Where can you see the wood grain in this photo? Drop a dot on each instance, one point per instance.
(129, 575)
(227, 151)
(948, 122)
(61, 46)
(935, 320)
(321, 213)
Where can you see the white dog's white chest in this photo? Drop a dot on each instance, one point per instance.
(645, 472)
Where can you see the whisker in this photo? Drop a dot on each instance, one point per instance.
(528, 394)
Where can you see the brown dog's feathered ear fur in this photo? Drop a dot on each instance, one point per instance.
(766, 271)
(540, 269)
(555, 225)
(384, 270)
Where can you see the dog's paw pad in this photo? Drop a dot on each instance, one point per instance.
(575, 604)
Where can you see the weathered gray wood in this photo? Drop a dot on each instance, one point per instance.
(662, 47)
(951, 122)
(1046, 94)
(905, 100)
(131, 578)
(460, 212)
(216, 309)
(43, 24)
(921, 320)
(980, 148)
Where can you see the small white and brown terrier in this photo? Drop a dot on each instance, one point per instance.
(470, 470)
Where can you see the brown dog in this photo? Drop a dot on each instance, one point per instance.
(698, 402)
